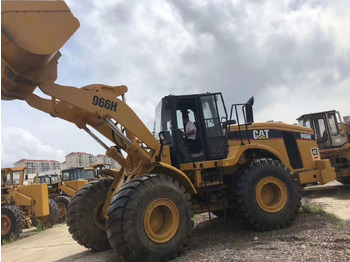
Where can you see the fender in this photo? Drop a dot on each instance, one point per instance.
(181, 177)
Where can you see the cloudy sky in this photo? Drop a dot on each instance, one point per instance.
(293, 56)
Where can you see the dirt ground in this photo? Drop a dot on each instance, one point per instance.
(312, 237)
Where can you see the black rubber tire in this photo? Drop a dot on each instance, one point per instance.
(17, 222)
(125, 223)
(62, 202)
(53, 196)
(51, 219)
(245, 195)
(86, 228)
(344, 180)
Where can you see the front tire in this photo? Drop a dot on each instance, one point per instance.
(12, 222)
(62, 202)
(49, 220)
(267, 195)
(150, 219)
(85, 218)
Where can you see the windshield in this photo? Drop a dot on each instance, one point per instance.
(162, 121)
(89, 174)
(74, 174)
(333, 124)
(44, 180)
(54, 179)
(157, 120)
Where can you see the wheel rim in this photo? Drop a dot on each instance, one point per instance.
(63, 210)
(5, 224)
(99, 219)
(161, 220)
(271, 194)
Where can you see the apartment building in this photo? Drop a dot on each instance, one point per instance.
(78, 159)
(38, 166)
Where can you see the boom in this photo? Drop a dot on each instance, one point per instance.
(30, 51)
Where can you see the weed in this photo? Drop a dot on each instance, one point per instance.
(40, 227)
(314, 209)
(5, 242)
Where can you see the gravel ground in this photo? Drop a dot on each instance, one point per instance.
(312, 237)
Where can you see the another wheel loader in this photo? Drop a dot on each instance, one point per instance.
(23, 205)
(333, 138)
(145, 212)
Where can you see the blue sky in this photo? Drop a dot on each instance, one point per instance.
(292, 56)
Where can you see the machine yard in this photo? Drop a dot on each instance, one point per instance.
(254, 191)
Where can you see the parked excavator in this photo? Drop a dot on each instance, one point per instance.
(23, 205)
(145, 212)
(333, 138)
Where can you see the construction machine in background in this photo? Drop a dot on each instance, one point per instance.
(99, 171)
(72, 179)
(145, 212)
(54, 186)
(23, 205)
(333, 138)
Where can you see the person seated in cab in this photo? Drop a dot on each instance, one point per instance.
(190, 132)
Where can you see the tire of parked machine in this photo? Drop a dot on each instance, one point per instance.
(150, 219)
(344, 180)
(12, 222)
(53, 196)
(267, 195)
(62, 202)
(85, 218)
(49, 220)
(228, 213)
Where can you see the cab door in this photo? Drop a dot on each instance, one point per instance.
(213, 110)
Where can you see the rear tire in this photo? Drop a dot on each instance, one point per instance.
(12, 222)
(267, 195)
(49, 220)
(85, 219)
(62, 202)
(150, 219)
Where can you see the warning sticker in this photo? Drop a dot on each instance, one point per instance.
(315, 154)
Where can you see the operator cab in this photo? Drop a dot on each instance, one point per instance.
(326, 126)
(52, 180)
(75, 173)
(207, 112)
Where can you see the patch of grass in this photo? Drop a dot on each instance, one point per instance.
(5, 242)
(40, 228)
(314, 209)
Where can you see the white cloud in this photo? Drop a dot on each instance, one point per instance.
(17, 142)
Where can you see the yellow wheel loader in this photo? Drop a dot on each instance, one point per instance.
(54, 187)
(145, 212)
(333, 138)
(23, 205)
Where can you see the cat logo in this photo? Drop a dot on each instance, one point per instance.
(260, 134)
(315, 154)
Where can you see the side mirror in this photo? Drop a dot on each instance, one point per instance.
(165, 137)
(249, 110)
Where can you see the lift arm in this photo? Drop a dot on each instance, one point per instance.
(32, 33)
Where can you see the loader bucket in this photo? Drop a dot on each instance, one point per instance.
(32, 32)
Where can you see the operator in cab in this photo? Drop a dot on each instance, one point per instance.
(190, 131)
